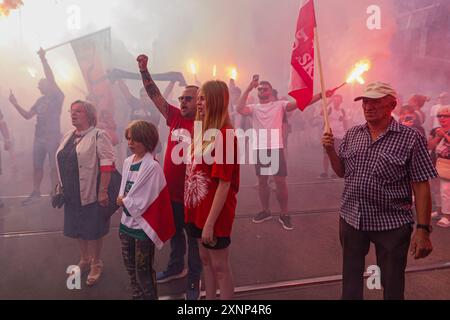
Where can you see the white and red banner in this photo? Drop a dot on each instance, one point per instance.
(302, 62)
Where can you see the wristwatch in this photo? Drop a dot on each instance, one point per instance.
(427, 227)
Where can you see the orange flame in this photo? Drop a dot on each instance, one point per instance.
(356, 74)
(4, 11)
(233, 73)
(193, 67)
(7, 5)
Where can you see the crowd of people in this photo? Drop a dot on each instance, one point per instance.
(192, 204)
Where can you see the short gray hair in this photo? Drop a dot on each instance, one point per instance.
(91, 112)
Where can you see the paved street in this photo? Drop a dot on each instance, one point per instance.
(267, 261)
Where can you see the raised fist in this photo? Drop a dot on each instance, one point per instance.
(41, 53)
(142, 61)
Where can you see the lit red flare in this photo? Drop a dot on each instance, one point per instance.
(233, 73)
(193, 67)
(357, 72)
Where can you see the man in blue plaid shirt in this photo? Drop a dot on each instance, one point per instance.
(383, 164)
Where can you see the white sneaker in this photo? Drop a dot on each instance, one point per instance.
(435, 214)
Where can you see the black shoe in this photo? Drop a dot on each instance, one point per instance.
(285, 221)
(262, 216)
(33, 197)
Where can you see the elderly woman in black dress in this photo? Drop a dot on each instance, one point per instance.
(85, 160)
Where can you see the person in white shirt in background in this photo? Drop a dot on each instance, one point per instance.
(267, 117)
(443, 100)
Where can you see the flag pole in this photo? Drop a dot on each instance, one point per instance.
(322, 81)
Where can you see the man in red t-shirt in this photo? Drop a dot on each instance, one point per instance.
(181, 123)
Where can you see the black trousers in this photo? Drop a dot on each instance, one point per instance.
(391, 249)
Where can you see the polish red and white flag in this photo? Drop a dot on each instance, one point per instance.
(147, 202)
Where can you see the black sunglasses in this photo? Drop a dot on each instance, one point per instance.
(263, 89)
(186, 98)
(443, 116)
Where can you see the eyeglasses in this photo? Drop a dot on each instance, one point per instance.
(443, 116)
(185, 98)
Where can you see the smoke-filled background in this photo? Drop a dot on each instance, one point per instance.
(410, 50)
(255, 36)
(252, 36)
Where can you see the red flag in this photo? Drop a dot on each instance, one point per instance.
(302, 61)
(157, 220)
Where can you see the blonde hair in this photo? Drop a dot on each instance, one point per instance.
(143, 132)
(91, 112)
(217, 98)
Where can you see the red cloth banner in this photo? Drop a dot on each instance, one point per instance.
(302, 62)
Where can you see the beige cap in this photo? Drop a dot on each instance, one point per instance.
(444, 110)
(378, 90)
